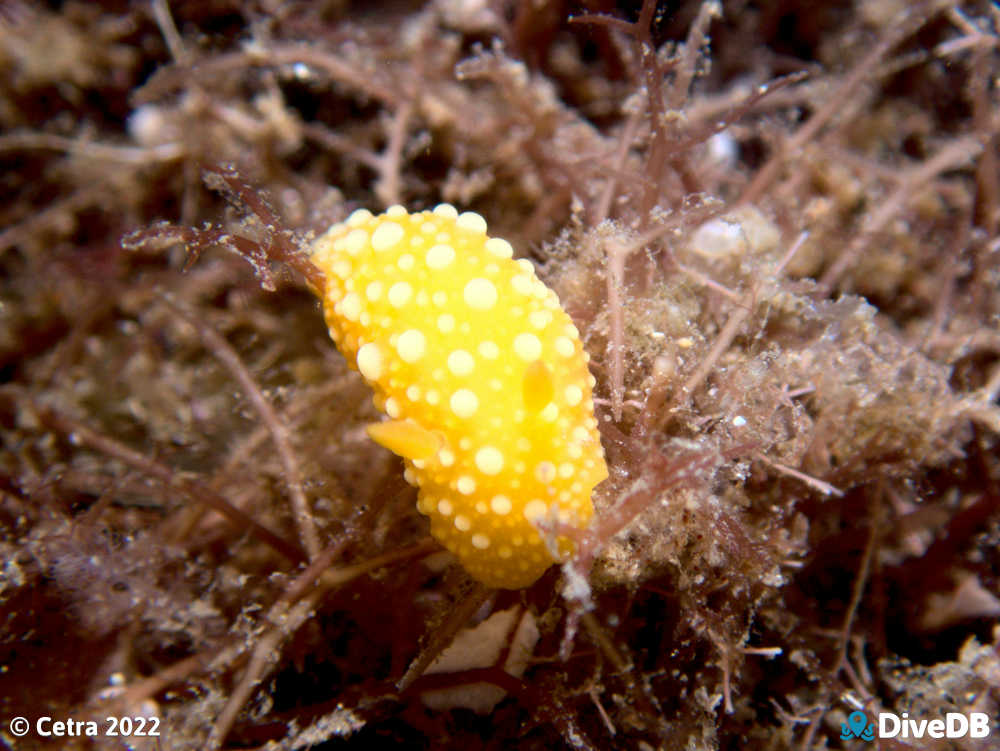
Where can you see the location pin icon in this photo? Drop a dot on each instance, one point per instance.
(857, 721)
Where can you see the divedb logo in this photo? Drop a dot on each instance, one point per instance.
(892, 725)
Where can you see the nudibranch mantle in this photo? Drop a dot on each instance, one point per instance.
(482, 376)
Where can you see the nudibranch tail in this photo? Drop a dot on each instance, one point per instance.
(482, 375)
(407, 439)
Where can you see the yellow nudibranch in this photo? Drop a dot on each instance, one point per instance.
(481, 374)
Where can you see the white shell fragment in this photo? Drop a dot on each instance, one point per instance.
(480, 647)
(745, 230)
